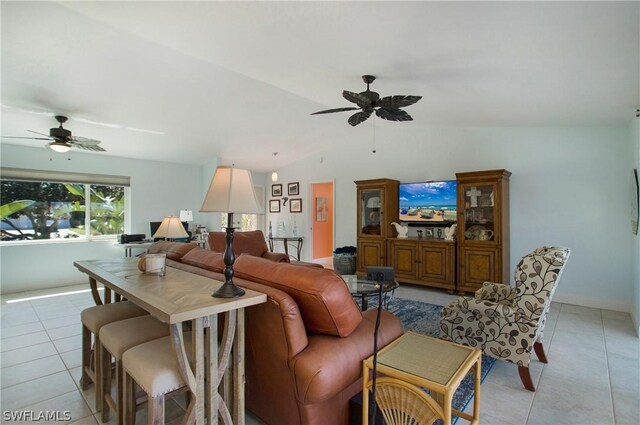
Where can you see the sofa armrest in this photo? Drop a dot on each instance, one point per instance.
(485, 308)
(496, 292)
(278, 257)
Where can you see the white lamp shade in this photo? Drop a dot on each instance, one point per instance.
(171, 228)
(231, 191)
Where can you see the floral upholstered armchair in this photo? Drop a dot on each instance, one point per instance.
(507, 322)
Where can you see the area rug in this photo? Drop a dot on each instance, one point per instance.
(424, 318)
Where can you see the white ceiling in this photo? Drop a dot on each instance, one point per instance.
(238, 80)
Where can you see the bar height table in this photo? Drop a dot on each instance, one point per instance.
(180, 297)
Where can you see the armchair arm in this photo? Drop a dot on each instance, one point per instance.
(496, 292)
(278, 257)
(486, 308)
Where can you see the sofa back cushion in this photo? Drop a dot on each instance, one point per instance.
(252, 243)
(322, 296)
(174, 250)
(204, 259)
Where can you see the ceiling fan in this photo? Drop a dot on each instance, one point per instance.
(387, 108)
(61, 140)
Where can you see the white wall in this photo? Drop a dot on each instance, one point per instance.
(570, 186)
(157, 189)
(634, 133)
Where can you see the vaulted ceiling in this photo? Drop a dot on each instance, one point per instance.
(191, 81)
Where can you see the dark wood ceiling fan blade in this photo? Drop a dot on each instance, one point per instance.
(359, 117)
(42, 134)
(88, 147)
(393, 114)
(356, 98)
(399, 101)
(30, 138)
(328, 111)
(84, 140)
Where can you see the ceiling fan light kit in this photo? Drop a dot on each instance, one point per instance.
(61, 140)
(387, 108)
(274, 175)
(59, 146)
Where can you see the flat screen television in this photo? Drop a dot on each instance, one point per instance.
(429, 203)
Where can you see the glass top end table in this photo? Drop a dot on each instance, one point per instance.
(361, 287)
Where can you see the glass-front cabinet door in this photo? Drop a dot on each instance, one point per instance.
(371, 201)
(479, 212)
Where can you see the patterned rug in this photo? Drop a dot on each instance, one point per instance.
(424, 318)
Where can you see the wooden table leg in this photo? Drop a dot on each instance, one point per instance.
(211, 344)
(365, 395)
(94, 291)
(177, 341)
(448, 395)
(238, 370)
(107, 295)
(476, 394)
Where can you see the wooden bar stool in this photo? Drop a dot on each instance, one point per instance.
(94, 318)
(115, 339)
(154, 367)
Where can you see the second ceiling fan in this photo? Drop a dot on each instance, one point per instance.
(387, 108)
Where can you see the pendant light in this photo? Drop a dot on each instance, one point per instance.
(274, 175)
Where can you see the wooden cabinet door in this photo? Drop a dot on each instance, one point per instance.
(477, 265)
(403, 258)
(435, 264)
(371, 252)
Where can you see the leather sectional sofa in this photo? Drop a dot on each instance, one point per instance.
(305, 345)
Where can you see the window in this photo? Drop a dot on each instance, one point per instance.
(248, 222)
(54, 209)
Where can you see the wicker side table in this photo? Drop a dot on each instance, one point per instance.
(431, 363)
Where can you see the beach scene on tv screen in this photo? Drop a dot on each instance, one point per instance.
(429, 202)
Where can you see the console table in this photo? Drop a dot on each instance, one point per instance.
(286, 240)
(180, 297)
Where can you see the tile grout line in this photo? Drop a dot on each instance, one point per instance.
(66, 369)
(606, 355)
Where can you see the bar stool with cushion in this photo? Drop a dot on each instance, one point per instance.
(115, 339)
(154, 367)
(94, 318)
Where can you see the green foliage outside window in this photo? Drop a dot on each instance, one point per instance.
(45, 210)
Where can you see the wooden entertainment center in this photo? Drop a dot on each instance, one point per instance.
(480, 252)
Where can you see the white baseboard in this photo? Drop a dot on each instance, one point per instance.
(595, 303)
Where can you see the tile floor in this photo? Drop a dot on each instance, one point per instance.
(592, 377)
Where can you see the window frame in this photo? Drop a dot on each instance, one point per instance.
(87, 180)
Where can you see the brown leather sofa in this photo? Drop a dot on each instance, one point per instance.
(252, 243)
(305, 345)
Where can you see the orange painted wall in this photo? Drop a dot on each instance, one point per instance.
(322, 230)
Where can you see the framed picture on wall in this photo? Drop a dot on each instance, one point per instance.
(321, 209)
(274, 206)
(293, 188)
(295, 205)
(634, 202)
(276, 190)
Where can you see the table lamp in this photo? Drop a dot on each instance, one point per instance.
(171, 228)
(231, 191)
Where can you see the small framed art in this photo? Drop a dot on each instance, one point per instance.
(295, 205)
(293, 188)
(276, 190)
(274, 206)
